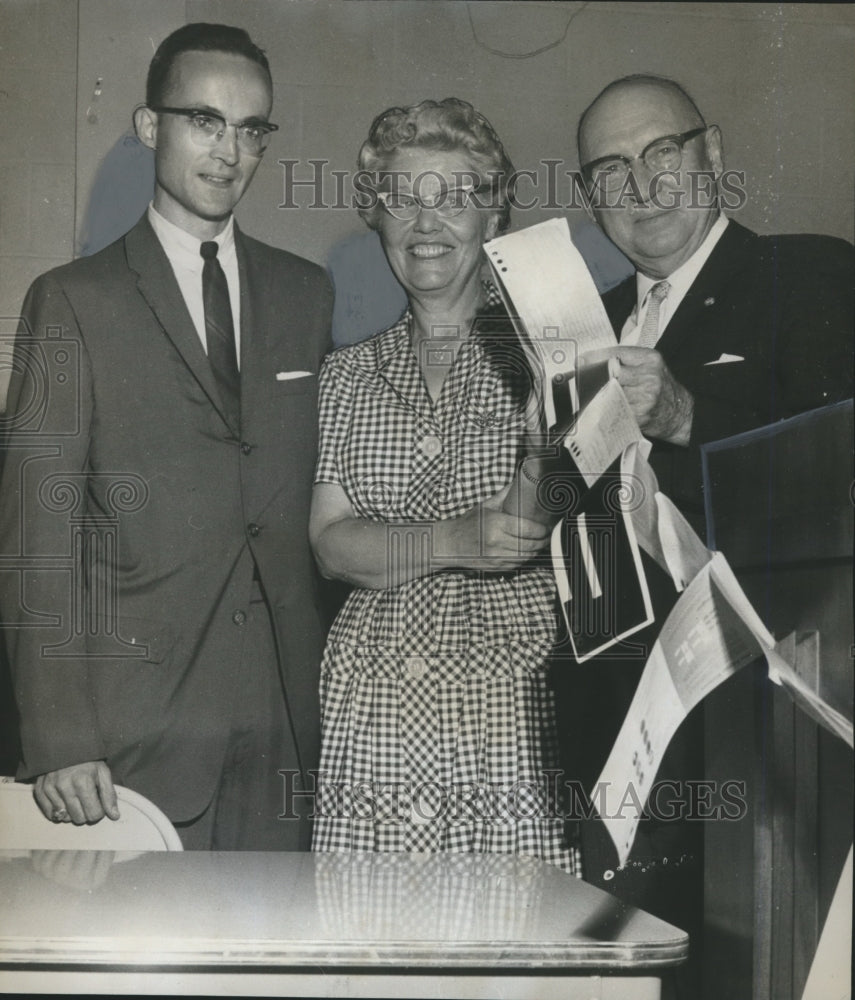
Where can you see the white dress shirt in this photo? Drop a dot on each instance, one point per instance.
(182, 249)
(680, 281)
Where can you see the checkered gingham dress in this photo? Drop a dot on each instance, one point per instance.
(437, 721)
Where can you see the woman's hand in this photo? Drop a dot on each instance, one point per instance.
(487, 539)
(378, 556)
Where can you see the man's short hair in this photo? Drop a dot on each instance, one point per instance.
(198, 37)
(650, 79)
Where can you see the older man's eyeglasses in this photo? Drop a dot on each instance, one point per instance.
(447, 202)
(609, 173)
(207, 128)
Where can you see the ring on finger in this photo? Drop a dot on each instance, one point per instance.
(59, 815)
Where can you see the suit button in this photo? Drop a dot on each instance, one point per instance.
(239, 618)
(245, 447)
(253, 529)
(416, 667)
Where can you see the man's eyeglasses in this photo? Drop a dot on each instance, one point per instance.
(208, 127)
(447, 202)
(609, 173)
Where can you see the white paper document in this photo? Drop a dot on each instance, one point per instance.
(545, 282)
(704, 640)
(710, 634)
(604, 429)
(684, 553)
(662, 531)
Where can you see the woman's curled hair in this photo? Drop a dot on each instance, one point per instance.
(448, 125)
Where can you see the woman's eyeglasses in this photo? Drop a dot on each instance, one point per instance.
(447, 202)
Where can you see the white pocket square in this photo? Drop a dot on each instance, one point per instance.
(287, 376)
(725, 359)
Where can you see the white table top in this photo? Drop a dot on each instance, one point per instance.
(217, 910)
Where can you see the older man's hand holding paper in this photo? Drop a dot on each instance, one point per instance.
(565, 328)
(662, 406)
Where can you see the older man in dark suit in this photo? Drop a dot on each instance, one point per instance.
(720, 330)
(159, 594)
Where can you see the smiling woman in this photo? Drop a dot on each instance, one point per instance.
(437, 718)
(431, 236)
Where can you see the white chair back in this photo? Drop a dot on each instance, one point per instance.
(141, 825)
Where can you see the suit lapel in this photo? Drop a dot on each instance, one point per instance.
(255, 359)
(157, 285)
(687, 329)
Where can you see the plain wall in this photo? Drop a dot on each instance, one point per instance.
(778, 79)
(38, 83)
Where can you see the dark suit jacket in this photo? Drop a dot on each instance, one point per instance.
(785, 305)
(136, 515)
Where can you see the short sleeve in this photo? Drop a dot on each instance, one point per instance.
(334, 405)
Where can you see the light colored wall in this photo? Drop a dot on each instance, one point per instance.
(38, 73)
(778, 78)
(117, 39)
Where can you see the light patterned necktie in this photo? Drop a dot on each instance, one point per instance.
(220, 332)
(650, 330)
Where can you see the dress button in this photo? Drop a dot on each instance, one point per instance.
(430, 445)
(416, 667)
(245, 447)
(253, 529)
(239, 618)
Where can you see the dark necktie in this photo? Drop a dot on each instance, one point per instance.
(220, 333)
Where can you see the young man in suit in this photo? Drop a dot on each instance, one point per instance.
(160, 603)
(720, 330)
